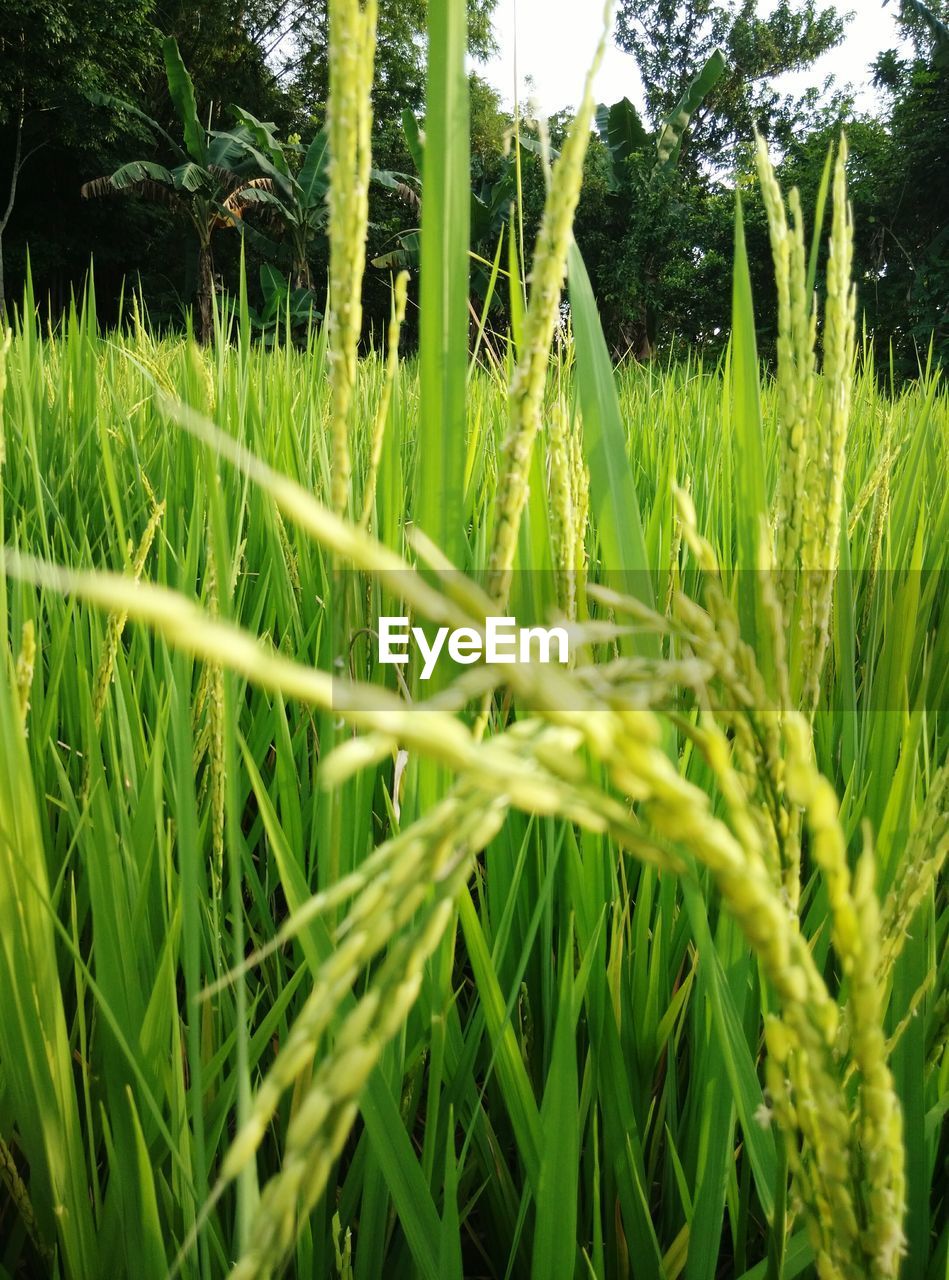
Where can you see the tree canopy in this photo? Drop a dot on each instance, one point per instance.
(656, 236)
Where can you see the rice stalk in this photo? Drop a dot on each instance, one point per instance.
(568, 485)
(528, 383)
(352, 43)
(18, 1193)
(25, 664)
(215, 747)
(115, 627)
(824, 479)
(796, 376)
(918, 872)
(399, 299)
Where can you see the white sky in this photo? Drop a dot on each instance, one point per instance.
(555, 40)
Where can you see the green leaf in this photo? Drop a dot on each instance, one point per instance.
(669, 143)
(265, 139)
(613, 501)
(407, 255)
(313, 177)
(622, 132)
(403, 1174)
(450, 1264)
(413, 139)
(739, 1065)
(936, 27)
(146, 1223)
(555, 1229)
(181, 89)
(515, 1085)
(751, 501)
(127, 108)
(189, 177)
(136, 171)
(38, 1067)
(443, 345)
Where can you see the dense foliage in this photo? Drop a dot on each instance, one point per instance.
(631, 964)
(657, 243)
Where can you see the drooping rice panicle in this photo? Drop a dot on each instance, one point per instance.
(581, 503)
(675, 552)
(17, 1191)
(880, 475)
(881, 513)
(716, 638)
(322, 1122)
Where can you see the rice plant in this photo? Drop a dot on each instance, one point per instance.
(630, 967)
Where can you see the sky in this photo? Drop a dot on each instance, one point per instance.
(555, 40)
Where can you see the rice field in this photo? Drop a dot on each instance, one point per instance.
(634, 967)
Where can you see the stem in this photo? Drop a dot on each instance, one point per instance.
(778, 1237)
(17, 159)
(205, 291)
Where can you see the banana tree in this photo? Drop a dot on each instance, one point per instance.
(623, 134)
(207, 185)
(294, 199)
(491, 202)
(285, 307)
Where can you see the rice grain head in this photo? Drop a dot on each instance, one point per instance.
(527, 388)
(352, 44)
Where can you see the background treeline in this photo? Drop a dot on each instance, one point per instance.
(656, 237)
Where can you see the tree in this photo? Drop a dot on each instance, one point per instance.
(400, 55)
(204, 187)
(669, 38)
(910, 262)
(295, 201)
(657, 239)
(295, 198)
(53, 52)
(636, 195)
(18, 161)
(493, 191)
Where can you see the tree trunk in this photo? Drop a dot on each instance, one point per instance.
(302, 276)
(205, 297)
(17, 164)
(300, 271)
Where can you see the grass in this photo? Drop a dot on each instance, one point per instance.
(128, 914)
(627, 970)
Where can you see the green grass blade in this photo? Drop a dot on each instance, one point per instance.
(751, 497)
(613, 500)
(443, 301)
(555, 1229)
